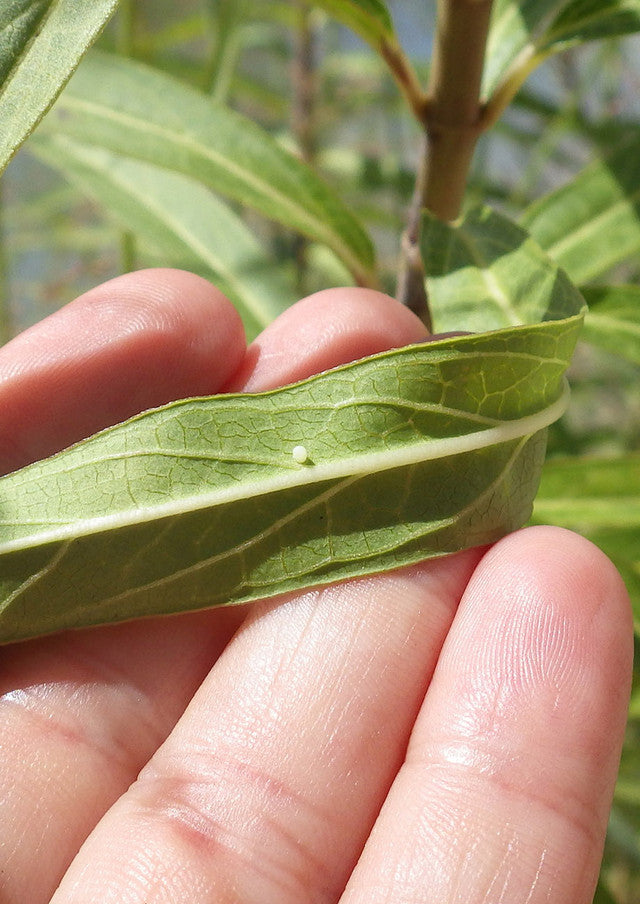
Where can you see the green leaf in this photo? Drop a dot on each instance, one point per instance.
(486, 273)
(599, 498)
(592, 20)
(602, 895)
(613, 320)
(133, 110)
(525, 32)
(178, 220)
(368, 18)
(41, 43)
(203, 502)
(592, 223)
(590, 493)
(390, 460)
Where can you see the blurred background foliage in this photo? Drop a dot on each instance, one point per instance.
(318, 89)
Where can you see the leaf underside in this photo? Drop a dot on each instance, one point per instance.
(405, 455)
(411, 454)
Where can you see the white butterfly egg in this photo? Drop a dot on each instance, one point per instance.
(299, 454)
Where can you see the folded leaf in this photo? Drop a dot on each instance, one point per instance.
(412, 453)
(133, 110)
(178, 220)
(41, 44)
(486, 272)
(389, 460)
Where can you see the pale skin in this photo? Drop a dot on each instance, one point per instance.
(445, 734)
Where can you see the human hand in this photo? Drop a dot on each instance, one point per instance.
(449, 732)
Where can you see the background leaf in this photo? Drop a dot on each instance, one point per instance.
(41, 44)
(369, 18)
(590, 493)
(600, 498)
(132, 110)
(181, 222)
(486, 273)
(613, 319)
(525, 32)
(593, 222)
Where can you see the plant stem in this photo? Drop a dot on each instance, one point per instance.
(454, 116)
(405, 77)
(411, 290)
(452, 121)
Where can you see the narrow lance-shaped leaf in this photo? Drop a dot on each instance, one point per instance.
(592, 223)
(414, 453)
(409, 454)
(178, 220)
(591, 493)
(133, 110)
(41, 43)
(369, 18)
(525, 32)
(600, 498)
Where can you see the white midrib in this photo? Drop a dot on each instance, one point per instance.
(305, 474)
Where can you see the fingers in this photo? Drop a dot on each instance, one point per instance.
(82, 712)
(267, 788)
(135, 342)
(329, 328)
(506, 788)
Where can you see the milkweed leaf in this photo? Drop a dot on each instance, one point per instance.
(135, 111)
(408, 454)
(181, 222)
(41, 43)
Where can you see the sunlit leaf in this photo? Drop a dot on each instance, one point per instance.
(525, 32)
(486, 273)
(133, 110)
(178, 220)
(41, 44)
(593, 222)
(389, 460)
(369, 18)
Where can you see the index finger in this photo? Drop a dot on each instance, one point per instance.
(83, 711)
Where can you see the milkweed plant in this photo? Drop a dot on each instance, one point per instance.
(478, 160)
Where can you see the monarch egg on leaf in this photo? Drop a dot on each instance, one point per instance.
(299, 454)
